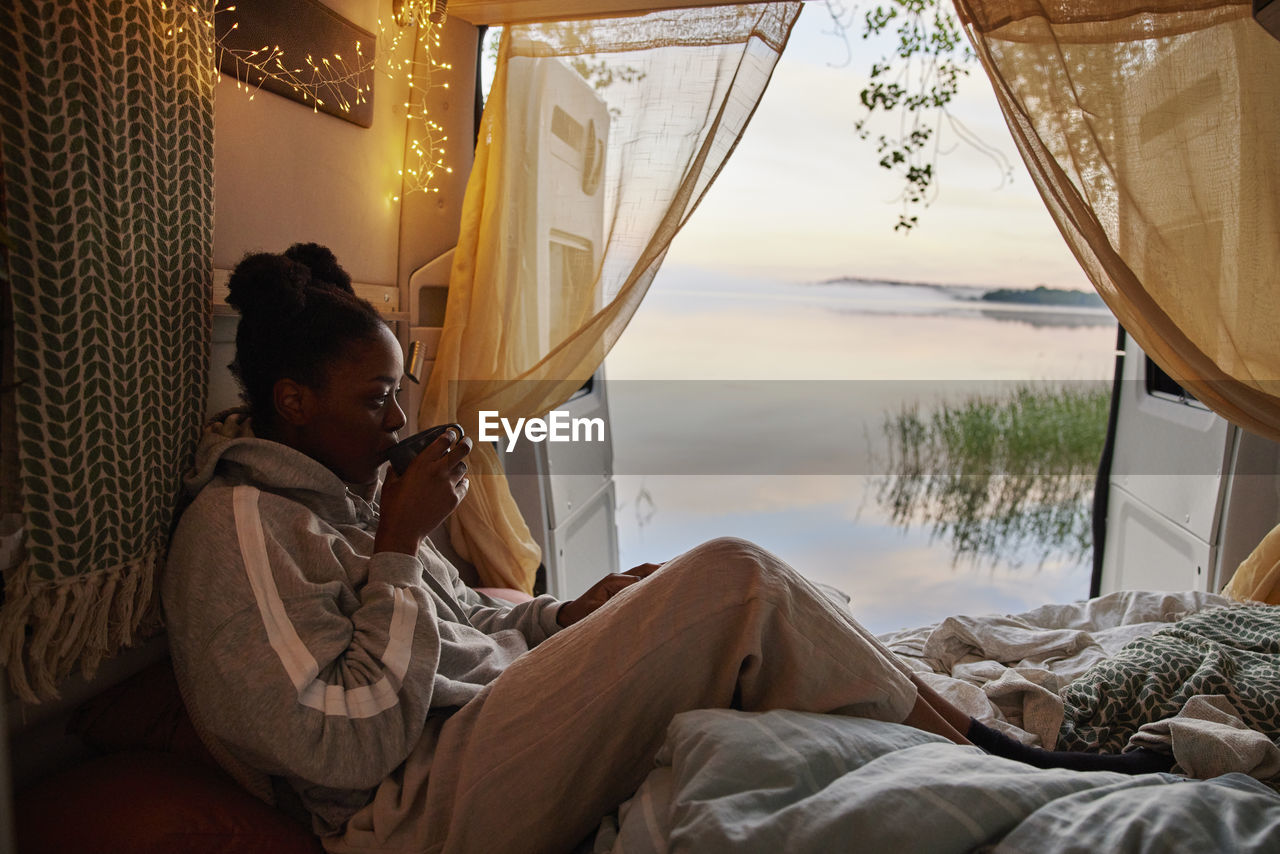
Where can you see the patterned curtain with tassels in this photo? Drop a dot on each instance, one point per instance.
(107, 127)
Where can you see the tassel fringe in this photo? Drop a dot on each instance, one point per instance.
(47, 631)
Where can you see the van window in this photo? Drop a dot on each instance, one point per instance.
(1165, 387)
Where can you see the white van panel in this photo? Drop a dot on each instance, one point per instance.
(1157, 438)
(1191, 495)
(1145, 551)
(554, 250)
(585, 549)
(1166, 480)
(566, 493)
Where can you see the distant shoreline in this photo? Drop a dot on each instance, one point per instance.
(862, 280)
(1038, 295)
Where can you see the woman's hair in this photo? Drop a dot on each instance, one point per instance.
(298, 313)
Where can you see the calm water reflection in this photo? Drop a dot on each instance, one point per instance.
(1001, 478)
(801, 462)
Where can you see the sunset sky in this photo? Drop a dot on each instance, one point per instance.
(804, 199)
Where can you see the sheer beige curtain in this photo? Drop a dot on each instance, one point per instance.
(1257, 579)
(598, 140)
(1152, 130)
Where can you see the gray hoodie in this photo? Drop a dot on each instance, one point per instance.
(303, 654)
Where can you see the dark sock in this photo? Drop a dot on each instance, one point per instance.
(1138, 761)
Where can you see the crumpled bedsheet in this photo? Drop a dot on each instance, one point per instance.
(797, 782)
(1007, 670)
(804, 783)
(1208, 738)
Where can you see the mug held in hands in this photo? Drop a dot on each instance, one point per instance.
(402, 453)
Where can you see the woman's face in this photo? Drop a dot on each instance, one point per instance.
(355, 416)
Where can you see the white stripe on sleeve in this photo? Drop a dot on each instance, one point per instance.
(364, 701)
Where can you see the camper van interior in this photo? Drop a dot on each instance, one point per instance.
(148, 146)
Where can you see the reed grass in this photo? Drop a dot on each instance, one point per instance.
(1003, 478)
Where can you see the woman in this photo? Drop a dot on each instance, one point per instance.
(324, 644)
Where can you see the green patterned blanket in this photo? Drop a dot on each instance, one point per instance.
(1232, 651)
(106, 126)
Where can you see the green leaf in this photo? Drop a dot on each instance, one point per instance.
(29, 414)
(37, 501)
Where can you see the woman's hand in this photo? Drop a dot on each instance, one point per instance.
(430, 489)
(602, 591)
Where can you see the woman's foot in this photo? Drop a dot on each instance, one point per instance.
(1138, 761)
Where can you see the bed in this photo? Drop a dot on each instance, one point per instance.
(793, 782)
(1196, 673)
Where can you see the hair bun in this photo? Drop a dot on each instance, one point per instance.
(265, 282)
(323, 265)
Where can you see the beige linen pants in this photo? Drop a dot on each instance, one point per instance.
(571, 729)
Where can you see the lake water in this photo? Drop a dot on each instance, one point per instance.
(757, 409)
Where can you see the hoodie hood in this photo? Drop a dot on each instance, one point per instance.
(229, 452)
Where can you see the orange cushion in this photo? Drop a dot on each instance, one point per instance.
(144, 712)
(151, 803)
(506, 594)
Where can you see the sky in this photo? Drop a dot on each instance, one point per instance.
(831, 208)
(803, 199)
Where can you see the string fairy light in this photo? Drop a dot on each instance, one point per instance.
(415, 31)
(319, 83)
(424, 154)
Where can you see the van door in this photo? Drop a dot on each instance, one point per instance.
(1190, 495)
(564, 489)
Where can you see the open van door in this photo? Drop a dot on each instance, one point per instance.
(1190, 495)
(565, 490)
